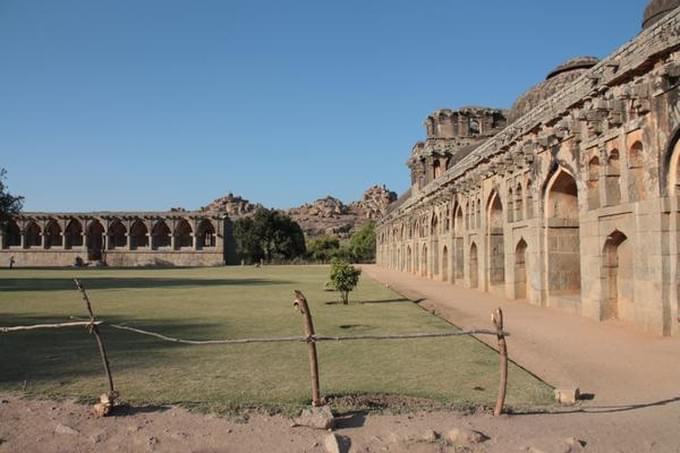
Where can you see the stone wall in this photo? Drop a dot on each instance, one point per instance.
(117, 239)
(574, 205)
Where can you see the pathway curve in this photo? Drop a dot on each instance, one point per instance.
(611, 360)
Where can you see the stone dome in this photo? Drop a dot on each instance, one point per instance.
(557, 79)
(656, 9)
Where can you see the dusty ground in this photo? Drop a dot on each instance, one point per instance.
(632, 378)
(44, 426)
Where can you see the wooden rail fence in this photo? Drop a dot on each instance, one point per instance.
(310, 337)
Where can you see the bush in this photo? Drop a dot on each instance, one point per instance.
(344, 277)
(362, 243)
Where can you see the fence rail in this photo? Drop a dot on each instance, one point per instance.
(310, 337)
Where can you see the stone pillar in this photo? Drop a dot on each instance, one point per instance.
(172, 241)
(193, 241)
(128, 240)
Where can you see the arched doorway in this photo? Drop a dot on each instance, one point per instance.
(160, 235)
(445, 264)
(459, 258)
(184, 235)
(563, 242)
(409, 260)
(139, 235)
(12, 235)
(95, 241)
(117, 235)
(496, 273)
(74, 234)
(33, 235)
(423, 262)
(617, 271)
(521, 277)
(474, 266)
(53, 236)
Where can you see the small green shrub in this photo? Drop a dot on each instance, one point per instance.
(344, 277)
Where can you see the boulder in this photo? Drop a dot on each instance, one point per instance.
(465, 437)
(567, 395)
(316, 417)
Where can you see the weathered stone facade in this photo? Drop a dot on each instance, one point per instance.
(176, 238)
(574, 205)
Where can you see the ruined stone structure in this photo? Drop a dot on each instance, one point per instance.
(177, 238)
(570, 200)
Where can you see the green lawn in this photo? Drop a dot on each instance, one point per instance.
(237, 302)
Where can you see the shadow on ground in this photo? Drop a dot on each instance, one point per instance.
(57, 284)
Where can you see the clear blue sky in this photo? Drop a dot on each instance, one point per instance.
(145, 105)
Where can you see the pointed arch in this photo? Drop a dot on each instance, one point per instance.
(33, 235)
(521, 273)
(12, 234)
(519, 203)
(53, 236)
(617, 271)
(95, 240)
(637, 190)
(160, 235)
(613, 185)
(593, 183)
(563, 238)
(205, 234)
(139, 235)
(73, 235)
(496, 241)
(117, 235)
(474, 266)
(183, 234)
(445, 264)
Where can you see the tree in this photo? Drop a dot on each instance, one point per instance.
(9, 204)
(362, 243)
(268, 235)
(344, 278)
(323, 249)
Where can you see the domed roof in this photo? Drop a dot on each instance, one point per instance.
(656, 9)
(557, 79)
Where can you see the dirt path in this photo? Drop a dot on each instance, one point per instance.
(45, 426)
(610, 360)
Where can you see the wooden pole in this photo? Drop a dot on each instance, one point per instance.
(94, 329)
(47, 326)
(301, 305)
(497, 319)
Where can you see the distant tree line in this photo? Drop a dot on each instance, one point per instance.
(272, 236)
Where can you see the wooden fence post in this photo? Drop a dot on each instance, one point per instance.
(301, 305)
(497, 319)
(94, 329)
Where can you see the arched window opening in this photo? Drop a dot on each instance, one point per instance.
(496, 275)
(617, 270)
(474, 266)
(521, 275)
(160, 235)
(12, 235)
(445, 264)
(95, 241)
(33, 235)
(519, 204)
(593, 183)
(53, 237)
(73, 236)
(637, 190)
(564, 258)
(511, 210)
(183, 235)
(206, 235)
(613, 186)
(479, 212)
(530, 200)
(139, 235)
(117, 235)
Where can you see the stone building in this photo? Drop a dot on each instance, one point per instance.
(569, 200)
(176, 238)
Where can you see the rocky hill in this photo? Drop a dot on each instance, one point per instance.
(326, 215)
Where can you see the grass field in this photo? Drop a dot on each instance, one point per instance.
(237, 302)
